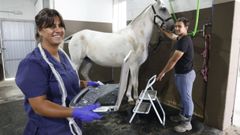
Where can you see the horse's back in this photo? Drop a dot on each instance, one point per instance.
(106, 49)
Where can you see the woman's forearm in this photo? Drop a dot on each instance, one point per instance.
(44, 107)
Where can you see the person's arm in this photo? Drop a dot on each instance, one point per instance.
(42, 106)
(83, 83)
(170, 64)
(35, 89)
(46, 108)
(169, 34)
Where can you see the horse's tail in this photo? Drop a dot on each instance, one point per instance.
(75, 48)
(61, 45)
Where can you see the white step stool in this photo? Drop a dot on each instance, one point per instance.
(143, 106)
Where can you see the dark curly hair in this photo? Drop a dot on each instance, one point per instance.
(45, 19)
(184, 20)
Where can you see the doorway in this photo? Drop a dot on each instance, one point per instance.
(17, 40)
(236, 114)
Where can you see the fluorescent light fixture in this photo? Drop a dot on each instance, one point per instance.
(15, 12)
(9, 79)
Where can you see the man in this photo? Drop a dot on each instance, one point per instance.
(182, 62)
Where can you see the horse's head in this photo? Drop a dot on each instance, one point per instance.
(161, 15)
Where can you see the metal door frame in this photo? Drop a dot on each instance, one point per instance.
(1, 47)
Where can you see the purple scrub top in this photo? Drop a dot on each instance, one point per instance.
(35, 78)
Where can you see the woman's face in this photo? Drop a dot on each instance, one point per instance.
(53, 35)
(180, 28)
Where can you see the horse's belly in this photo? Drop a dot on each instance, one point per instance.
(109, 55)
(107, 64)
(109, 60)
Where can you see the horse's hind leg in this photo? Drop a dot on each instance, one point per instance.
(85, 68)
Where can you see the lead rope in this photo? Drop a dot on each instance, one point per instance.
(205, 55)
(72, 124)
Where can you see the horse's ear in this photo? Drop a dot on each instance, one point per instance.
(161, 3)
(158, 1)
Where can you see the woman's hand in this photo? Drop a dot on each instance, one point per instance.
(92, 83)
(160, 76)
(86, 113)
(85, 84)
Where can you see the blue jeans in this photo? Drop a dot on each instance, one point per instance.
(184, 83)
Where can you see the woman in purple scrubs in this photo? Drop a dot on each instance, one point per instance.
(49, 82)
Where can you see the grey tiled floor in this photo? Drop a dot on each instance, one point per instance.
(117, 124)
(13, 119)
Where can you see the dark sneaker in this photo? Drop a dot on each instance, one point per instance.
(179, 118)
(183, 127)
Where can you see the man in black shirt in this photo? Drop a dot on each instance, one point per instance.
(182, 61)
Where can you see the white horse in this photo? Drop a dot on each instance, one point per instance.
(109, 49)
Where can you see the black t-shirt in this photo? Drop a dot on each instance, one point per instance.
(185, 63)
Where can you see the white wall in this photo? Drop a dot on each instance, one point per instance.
(119, 15)
(223, 1)
(38, 6)
(85, 10)
(93, 10)
(25, 6)
(135, 7)
(188, 5)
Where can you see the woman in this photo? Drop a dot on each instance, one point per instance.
(182, 62)
(49, 82)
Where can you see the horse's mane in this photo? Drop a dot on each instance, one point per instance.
(138, 17)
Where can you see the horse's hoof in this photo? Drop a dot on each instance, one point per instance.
(131, 102)
(137, 101)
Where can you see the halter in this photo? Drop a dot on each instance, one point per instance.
(159, 17)
(163, 22)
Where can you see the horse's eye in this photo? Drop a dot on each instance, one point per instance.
(163, 8)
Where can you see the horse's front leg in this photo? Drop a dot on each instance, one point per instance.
(129, 91)
(133, 84)
(134, 74)
(86, 66)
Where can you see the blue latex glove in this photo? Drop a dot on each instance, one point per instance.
(86, 114)
(92, 83)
